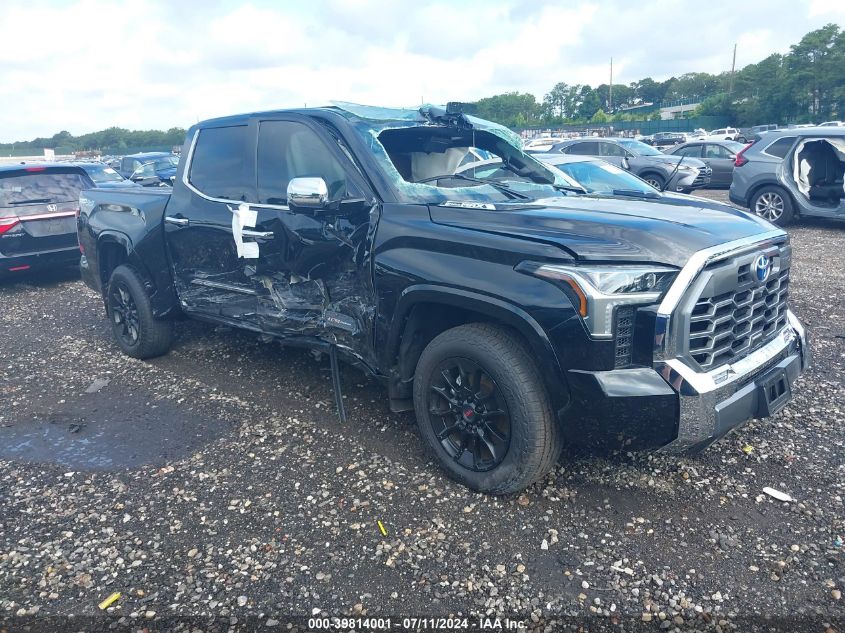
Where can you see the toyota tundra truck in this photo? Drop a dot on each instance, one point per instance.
(512, 313)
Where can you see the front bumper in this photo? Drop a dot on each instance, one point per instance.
(675, 408)
(759, 385)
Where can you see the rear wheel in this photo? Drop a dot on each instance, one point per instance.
(773, 204)
(137, 332)
(483, 411)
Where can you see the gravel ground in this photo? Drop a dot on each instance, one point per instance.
(214, 488)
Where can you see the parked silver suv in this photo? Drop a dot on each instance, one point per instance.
(791, 173)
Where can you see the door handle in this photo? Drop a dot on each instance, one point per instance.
(177, 221)
(263, 234)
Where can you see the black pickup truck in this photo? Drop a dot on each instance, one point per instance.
(512, 315)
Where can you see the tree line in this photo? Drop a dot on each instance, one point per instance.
(113, 139)
(805, 85)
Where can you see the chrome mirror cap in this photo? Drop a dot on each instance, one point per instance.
(308, 192)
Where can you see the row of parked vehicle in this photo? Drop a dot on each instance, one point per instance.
(780, 175)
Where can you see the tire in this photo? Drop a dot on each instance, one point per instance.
(655, 180)
(741, 139)
(482, 375)
(773, 204)
(137, 332)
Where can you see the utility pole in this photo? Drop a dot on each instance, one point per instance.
(610, 94)
(733, 70)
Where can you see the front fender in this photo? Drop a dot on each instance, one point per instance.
(497, 310)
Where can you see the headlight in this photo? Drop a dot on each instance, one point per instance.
(685, 168)
(597, 290)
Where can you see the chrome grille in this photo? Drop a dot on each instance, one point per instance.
(727, 326)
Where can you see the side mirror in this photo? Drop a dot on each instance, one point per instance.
(625, 164)
(308, 193)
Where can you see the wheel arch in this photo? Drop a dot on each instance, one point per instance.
(115, 249)
(771, 182)
(425, 310)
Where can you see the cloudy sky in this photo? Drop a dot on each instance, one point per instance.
(85, 65)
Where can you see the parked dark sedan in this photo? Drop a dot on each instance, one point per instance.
(667, 139)
(38, 207)
(718, 155)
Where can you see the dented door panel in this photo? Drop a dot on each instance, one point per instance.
(313, 279)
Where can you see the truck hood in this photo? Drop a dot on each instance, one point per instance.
(610, 229)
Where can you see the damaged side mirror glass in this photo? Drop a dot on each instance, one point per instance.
(308, 193)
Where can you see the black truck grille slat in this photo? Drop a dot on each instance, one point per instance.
(727, 326)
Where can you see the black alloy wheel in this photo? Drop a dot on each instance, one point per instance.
(124, 313)
(469, 415)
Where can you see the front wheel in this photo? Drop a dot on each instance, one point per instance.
(773, 204)
(137, 332)
(655, 180)
(483, 410)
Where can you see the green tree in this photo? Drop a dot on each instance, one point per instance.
(511, 108)
(599, 117)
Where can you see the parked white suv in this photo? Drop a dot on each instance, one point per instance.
(725, 134)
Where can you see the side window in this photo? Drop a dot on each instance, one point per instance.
(780, 148)
(220, 166)
(611, 149)
(127, 165)
(288, 150)
(716, 151)
(147, 170)
(691, 151)
(588, 148)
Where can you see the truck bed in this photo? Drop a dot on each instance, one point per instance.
(125, 223)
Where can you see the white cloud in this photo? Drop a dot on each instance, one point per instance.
(84, 65)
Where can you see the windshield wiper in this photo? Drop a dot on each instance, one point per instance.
(635, 192)
(496, 185)
(570, 188)
(32, 201)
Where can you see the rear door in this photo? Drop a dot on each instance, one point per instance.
(212, 276)
(38, 207)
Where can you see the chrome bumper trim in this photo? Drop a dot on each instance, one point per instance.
(699, 393)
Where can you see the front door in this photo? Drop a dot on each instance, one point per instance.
(612, 153)
(312, 279)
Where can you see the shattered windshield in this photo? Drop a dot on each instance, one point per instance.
(426, 158)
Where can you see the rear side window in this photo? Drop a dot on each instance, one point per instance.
(221, 165)
(589, 148)
(40, 188)
(288, 150)
(780, 147)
